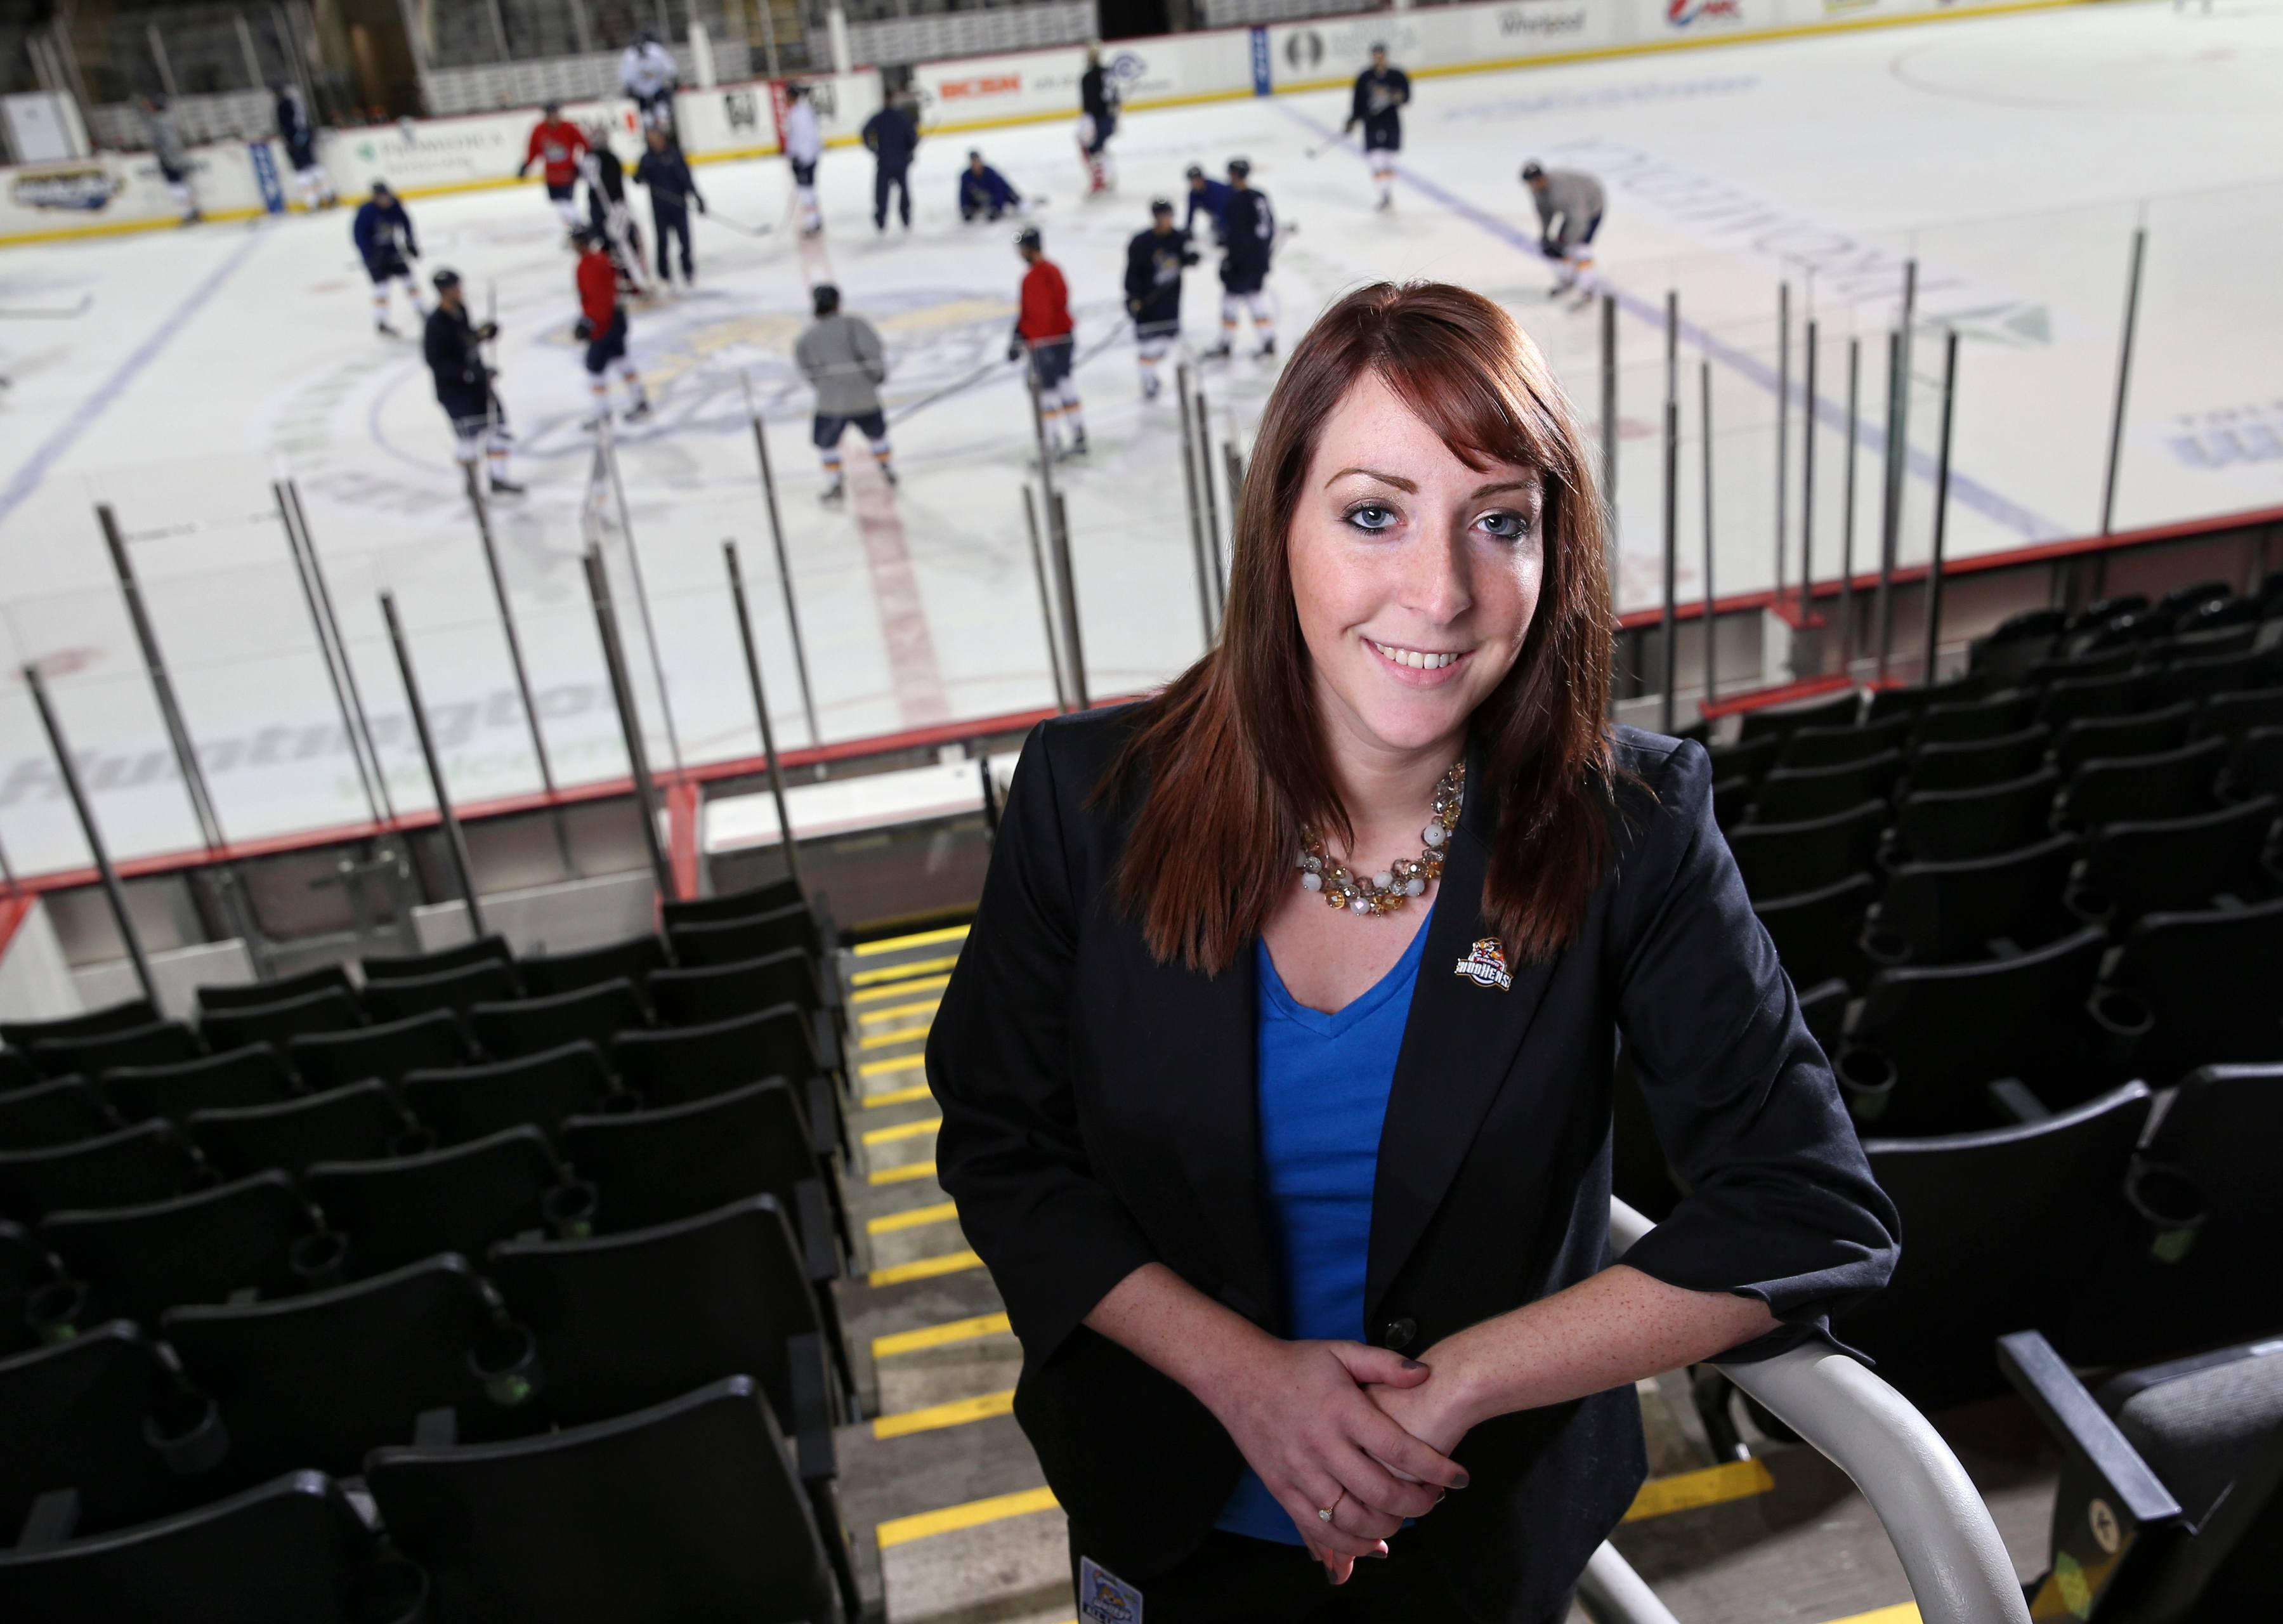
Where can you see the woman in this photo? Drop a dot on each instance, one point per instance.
(1301, 1212)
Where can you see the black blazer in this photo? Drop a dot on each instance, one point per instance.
(1099, 1112)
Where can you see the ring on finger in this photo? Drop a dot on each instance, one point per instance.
(1324, 1513)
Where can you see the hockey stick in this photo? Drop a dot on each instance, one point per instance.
(31, 314)
(1321, 147)
(739, 226)
(989, 367)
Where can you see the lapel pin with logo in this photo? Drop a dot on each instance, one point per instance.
(1486, 966)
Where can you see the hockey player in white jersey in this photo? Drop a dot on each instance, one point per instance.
(804, 144)
(648, 74)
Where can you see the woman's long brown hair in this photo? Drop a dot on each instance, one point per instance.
(1232, 750)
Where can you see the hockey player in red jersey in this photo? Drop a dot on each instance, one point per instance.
(1044, 331)
(603, 324)
(557, 145)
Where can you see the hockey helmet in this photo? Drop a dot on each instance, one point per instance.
(1238, 168)
(1531, 171)
(1196, 172)
(445, 278)
(1029, 237)
(824, 298)
(1161, 206)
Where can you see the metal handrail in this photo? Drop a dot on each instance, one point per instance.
(1957, 1567)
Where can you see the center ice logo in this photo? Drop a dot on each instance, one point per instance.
(1681, 14)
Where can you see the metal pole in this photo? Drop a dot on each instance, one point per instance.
(253, 62)
(354, 724)
(785, 564)
(1212, 506)
(1941, 502)
(614, 660)
(1889, 523)
(2123, 380)
(1807, 486)
(455, 845)
(1847, 507)
(641, 595)
(1039, 427)
(1059, 530)
(1671, 675)
(1197, 514)
(1045, 601)
(159, 56)
(498, 30)
(1609, 432)
(1671, 345)
(507, 627)
(1704, 384)
(1783, 422)
(1233, 463)
(112, 891)
(584, 35)
(7, 874)
(761, 709)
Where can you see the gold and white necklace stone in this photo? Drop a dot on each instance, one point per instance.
(1402, 880)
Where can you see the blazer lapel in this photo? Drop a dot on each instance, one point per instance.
(1458, 1047)
(1218, 1125)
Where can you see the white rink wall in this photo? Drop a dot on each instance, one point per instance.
(115, 192)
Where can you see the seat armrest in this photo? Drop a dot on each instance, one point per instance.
(2082, 1428)
(826, 1026)
(814, 1215)
(823, 1117)
(810, 1421)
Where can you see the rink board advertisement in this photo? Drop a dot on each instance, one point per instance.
(1025, 85)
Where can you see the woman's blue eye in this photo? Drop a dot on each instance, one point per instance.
(1371, 515)
(1509, 527)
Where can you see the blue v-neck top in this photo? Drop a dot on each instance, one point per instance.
(1324, 1081)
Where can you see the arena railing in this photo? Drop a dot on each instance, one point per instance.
(1957, 1567)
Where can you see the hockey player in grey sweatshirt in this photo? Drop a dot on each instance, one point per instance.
(842, 355)
(1568, 213)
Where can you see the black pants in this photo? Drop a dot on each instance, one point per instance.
(1233, 1580)
(669, 221)
(883, 178)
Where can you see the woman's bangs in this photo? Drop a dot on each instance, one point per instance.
(1486, 416)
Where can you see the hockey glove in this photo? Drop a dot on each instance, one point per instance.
(583, 329)
(1551, 249)
(1015, 349)
(487, 332)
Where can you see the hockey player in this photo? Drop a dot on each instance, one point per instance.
(842, 357)
(892, 135)
(602, 325)
(648, 75)
(1244, 262)
(452, 346)
(1154, 262)
(1568, 213)
(555, 143)
(666, 173)
(166, 138)
(383, 233)
(1097, 121)
(1381, 92)
(984, 193)
(299, 137)
(1044, 332)
(1210, 197)
(605, 174)
(804, 144)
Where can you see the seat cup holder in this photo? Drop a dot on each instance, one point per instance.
(623, 1102)
(2171, 1211)
(1885, 947)
(2090, 904)
(186, 1430)
(413, 1142)
(569, 1209)
(2123, 1021)
(1866, 1079)
(54, 1311)
(390, 1590)
(319, 1260)
(505, 1358)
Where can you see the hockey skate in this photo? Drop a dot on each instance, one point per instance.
(1076, 448)
(385, 330)
(637, 412)
(1219, 352)
(1267, 352)
(832, 495)
(503, 487)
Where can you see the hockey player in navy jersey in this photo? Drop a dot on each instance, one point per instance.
(1154, 262)
(382, 234)
(452, 346)
(1381, 92)
(1244, 263)
(1210, 198)
(984, 193)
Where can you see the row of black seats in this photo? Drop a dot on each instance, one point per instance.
(2125, 623)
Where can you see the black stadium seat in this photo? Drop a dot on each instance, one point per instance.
(484, 949)
(1949, 913)
(2179, 864)
(631, 960)
(332, 1009)
(2232, 715)
(402, 997)
(16, 1071)
(2174, 784)
(290, 1551)
(723, 992)
(1953, 825)
(2255, 766)
(358, 1122)
(51, 1113)
(79, 1415)
(1977, 763)
(1927, 1039)
(530, 1026)
(254, 1075)
(122, 1016)
(147, 1162)
(328, 1059)
(2067, 668)
(1977, 719)
(319, 1380)
(468, 1102)
(765, 898)
(2014, 1226)
(2200, 678)
(25, 1268)
(1750, 760)
(674, 1065)
(731, 941)
(1732, 799)
(248, 994)
(2211, 981)
(1788, 859)
(462, 1198)
(1815, 933)
(1838, 746)
(2220, 1133)
(136, 1260)
(1789, 795)
(2126, 693)
(2147, 733)
(690, 1509)
(1885, 702)
(1837, 711)
(163, 1043)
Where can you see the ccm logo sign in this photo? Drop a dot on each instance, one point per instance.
(987, 84)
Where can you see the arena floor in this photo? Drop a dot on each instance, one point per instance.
(2012, 155)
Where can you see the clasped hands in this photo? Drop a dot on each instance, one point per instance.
(1358, 1430)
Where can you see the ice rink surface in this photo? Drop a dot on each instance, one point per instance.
(2011, 156)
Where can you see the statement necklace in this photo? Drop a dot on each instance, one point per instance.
(1402, 880)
